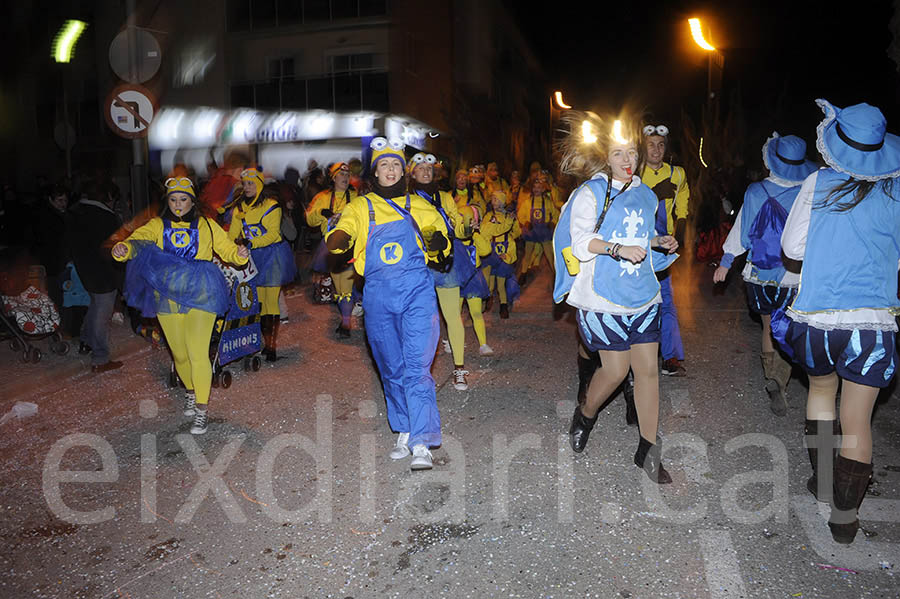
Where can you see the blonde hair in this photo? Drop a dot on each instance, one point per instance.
(583, 158)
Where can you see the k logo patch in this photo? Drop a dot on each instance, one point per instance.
(391, 252)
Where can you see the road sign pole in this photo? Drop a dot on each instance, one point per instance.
(139, 192)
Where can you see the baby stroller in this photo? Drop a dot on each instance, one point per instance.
(237, 335)
(31, 316)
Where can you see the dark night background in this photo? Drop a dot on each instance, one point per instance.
(779, 57)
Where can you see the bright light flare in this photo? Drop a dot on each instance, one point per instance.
(617, 133)
(697, 33)
(559, 101)
(588, 133)
(701, 154)
(65, 40)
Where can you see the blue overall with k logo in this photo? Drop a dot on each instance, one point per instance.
(402, 323)
(179, 241)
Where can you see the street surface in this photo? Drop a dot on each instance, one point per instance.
(290, 494)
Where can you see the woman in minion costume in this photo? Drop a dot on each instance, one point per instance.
(256, 222)
(475, 288)
(447, 284)
(758, 229)
(537, 216)
(324, 206)
(395, 235)
(460, 192)
(171, 277)
(841, 327)
(501, 229)
(607, 234)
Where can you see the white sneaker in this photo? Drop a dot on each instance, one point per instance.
(447, 348)
(190, 403)
(400, 450)
(459, 379)
(485, 350)
(201, 422)
(357, 309)
(421, 458)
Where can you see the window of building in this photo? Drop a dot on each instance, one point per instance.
(281, 68)
(263, 14)
(247, 15)
(316, 10)
(238, 15)
(353, 63)
(290, 12)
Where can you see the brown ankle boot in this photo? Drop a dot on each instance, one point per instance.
(851, 479)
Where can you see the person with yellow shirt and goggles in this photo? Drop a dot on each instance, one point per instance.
(395, 235)
(501, 229)
(325, 206)
(256, 223)
(171, 276)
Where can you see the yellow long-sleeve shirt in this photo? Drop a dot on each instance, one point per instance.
(355, 222)
(651, 177)
(330, 199)
(252, 215)
(210, 237)
(495, 226)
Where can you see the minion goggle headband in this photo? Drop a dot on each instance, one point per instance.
(179, 185)
(340, 167)
(649, 130)
(252, 174)
(384, 148)
(422, 158)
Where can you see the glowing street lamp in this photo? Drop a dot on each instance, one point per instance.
(65, 40)
(697, 34)
(559, 101)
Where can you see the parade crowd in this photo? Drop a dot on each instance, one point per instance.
(412, 248)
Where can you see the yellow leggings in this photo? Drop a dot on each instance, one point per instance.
(477, 318)
(533, 252)
(499, 282)
(188, 336)
(449, 300)
(343, 282)
(268, 300)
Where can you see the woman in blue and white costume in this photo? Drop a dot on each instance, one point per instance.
(616, 293)
(841, 327)
(758, 228)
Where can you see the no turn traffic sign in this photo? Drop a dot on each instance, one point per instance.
(129, 110)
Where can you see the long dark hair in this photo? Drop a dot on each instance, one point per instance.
(859, 190)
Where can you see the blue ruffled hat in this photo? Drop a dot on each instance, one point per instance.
(785, 157)
(855, 141)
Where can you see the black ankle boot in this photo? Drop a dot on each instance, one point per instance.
(631, 417)
(580, 430)
(851, 478)
(813, 429)
(648, 457)
(586, 369)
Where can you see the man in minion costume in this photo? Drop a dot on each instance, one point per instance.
(670, 186)
(325, 206)
(256, 222)
(395, 235)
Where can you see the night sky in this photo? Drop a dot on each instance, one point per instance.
(604, 55)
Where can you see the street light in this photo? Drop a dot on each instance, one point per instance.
(63, 50)
(557, 104)
(559, 100)
(714, 57)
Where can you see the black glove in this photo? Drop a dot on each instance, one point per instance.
(664, 190)
(437, 243)
(326, 213)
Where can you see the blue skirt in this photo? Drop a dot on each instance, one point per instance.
(157, 282)
(275, 264)
(461, 271)
(499, 268)
(476, 286)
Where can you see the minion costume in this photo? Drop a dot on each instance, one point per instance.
(672, 207)
(845, 227)
(327, 205)
(390, 236)
(257, 222)
(475, 288)
(501, 230)
(537, 217)
(170, 276)
(758, 228)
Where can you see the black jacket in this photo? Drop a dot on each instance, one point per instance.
(90, 226)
